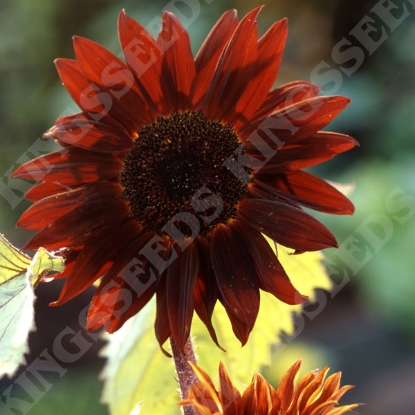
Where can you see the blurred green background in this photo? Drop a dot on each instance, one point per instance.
(367, 329)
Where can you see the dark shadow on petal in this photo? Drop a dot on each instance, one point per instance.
(180, 286)
(236, 279)
(106, 255)
(162, 325)
(125, 288)
(270, 273)
(307, 190)
(206, 289)
(285, 224)
(81, 225)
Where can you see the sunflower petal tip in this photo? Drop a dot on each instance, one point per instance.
(79, 41)
(20, 223)
(76, 41)
(346, 101)
(257, 10)
(121, 16)
(54, 303)
(16, 173)
(167, 14)
(253, 14)
(218, 345)
(165, 352)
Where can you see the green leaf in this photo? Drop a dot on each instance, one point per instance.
(44, 262)
(307, 273)
(18, 274)
(12, 261)
(137, 371)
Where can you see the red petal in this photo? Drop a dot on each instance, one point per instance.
(267, 63)
(77, 85)
(125, 289)
(234, 70)
(162, 325)
(308, 152)
(180, 284)
(90, 135)
(286, 95)
(308, 190)
(70, 259)
(142, 53)
(286, 224)
(97, 258)
(293, 123)
(81, 225)
(236, 277)
(240, 329)
(115, 80)
(42, 190)
(50, 208)
(207, 58)
(271, 275)
(95, 101)
(87, 116)
(206, 289)
(177, 61)
(137, 304)
(71, 167)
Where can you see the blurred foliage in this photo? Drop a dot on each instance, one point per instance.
(77, 392)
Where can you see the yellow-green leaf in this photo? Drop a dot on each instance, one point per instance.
(42, 263)
(18, 274)
(12, 261)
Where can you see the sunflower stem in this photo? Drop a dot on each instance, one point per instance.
(184, 372)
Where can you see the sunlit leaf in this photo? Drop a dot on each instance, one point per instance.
(18, 275)
(12, 261)
(137, 372)
(307, 273)
(42, 263)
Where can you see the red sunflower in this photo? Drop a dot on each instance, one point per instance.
(175, 168)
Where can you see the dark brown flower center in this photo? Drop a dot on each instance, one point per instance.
(177, 166)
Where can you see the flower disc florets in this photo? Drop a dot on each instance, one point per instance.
(175, 165)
